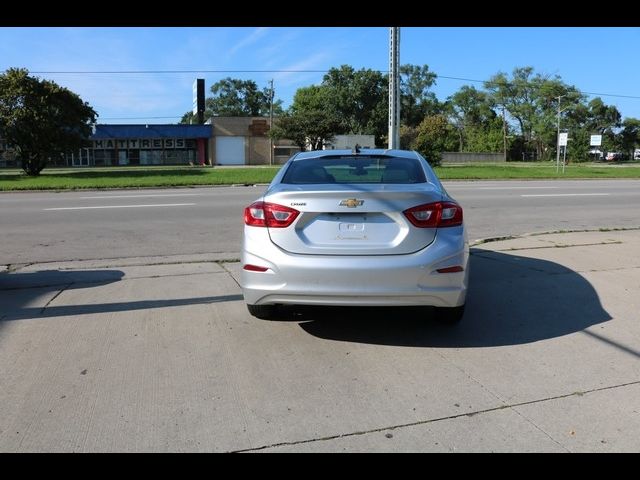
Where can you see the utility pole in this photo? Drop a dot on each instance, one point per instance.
(558, 140)
(504, 133)
(394, 87)
(270, 122)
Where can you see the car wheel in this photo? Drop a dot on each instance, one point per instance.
(265, 312)
(450, 315)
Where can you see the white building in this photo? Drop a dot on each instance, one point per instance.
(348, 142)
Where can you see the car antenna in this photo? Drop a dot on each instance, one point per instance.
(356, 149)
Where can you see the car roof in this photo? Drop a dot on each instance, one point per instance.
(365, 152)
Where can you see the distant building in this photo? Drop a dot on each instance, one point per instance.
(349, 142)
(220, 141)
(246, 141)
(119, 145)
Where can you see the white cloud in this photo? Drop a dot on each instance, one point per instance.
(274, 53)
(248, 40)
(293, 76)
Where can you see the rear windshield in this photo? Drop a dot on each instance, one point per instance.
(351, 169)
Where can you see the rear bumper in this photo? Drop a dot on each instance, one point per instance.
(356, 280)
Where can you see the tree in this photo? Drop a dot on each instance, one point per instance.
(586, 119)
(434, 136)
(478, 126)
(313, 98)
(416, 101)
(41, 119)
(602, 117)
(360, 98)
(312, 128)
(233, 97)
(408, 137)
(630, 135)
(532, 100)
(347, 100)
(188, 118)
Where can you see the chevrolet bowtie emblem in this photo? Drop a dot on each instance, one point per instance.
(351, 203)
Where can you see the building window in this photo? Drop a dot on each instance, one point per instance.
(103, 157)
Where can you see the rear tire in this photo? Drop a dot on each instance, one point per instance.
(264, 312)
(449, 315)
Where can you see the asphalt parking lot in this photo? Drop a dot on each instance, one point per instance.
(160, 354)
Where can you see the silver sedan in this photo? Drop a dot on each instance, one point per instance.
(359, 228)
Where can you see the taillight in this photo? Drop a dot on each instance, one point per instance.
(264, 214)
(435, 215)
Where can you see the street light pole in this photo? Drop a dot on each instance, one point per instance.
(558, 138)
(271, 123)
(504, 134)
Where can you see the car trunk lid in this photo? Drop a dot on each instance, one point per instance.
(353, 219)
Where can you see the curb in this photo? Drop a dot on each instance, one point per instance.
(482, 241)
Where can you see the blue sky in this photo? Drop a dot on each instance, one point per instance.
(600, 59)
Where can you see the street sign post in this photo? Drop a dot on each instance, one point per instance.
(563, 137)
(562, 141)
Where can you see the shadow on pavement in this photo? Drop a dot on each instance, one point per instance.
(18, 292)
(511, 300)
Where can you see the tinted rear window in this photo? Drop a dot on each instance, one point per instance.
(351, 169)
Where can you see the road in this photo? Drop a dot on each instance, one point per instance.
(83, 225)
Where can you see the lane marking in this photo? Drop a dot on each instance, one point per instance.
(145, 196)
(512, 188)
(568, 195)
(121, 206)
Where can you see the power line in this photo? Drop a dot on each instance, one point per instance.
(172, 72)
(144, 72)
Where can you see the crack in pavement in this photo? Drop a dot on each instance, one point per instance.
(613, 242)
(499, 398)
(426, 422)
(481, 241)
(54, 297)
(230, 273)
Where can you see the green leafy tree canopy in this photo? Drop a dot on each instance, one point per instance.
(434, 136)
(416, 100)
(311, 129)
(40, 119)
(233, 97)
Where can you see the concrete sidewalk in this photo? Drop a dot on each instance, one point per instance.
(161, 355)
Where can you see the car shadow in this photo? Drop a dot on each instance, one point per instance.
(26, 295)
(511, 300)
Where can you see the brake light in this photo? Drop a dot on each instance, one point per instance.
(272, 215)
(435, 215)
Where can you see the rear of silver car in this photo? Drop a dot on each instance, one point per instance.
(386, 242)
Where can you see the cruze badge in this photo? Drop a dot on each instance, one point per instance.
(351, 203)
